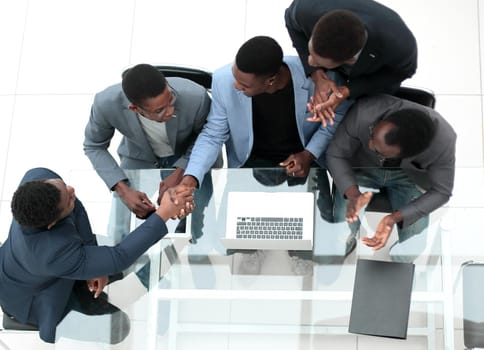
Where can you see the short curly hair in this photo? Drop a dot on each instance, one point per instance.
(338, 35)
(36, 204)
(141, 82)
(413, 131)
(260, 55)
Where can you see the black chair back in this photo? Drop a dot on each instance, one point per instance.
(199, 76)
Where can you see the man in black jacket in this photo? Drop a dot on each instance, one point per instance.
(365, 41)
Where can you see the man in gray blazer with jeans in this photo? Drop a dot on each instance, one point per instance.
(400, 146)
(159, 118)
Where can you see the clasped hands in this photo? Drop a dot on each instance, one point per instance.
(326, 99)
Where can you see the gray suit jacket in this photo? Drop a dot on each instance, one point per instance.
(110, 112)
(433, 169)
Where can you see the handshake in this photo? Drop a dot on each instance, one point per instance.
(176, 202)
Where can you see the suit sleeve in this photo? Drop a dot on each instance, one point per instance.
(441, 177)
(341, 149)
(97, 138)
(299, 24)
(401, 64)
(72, 259)
(198, 122)
(214, 134)
(319, 142)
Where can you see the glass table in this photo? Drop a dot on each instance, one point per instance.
(199, 296)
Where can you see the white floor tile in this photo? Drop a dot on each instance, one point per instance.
(11, 37)
(456, 109)
(7, 106)
(266, 17)
(80, 49)
(207, 35)
(447, 37)
(47, 131)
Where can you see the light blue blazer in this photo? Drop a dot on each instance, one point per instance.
(230, 122)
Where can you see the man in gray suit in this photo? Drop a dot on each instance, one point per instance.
(404, 148)
(159, 118)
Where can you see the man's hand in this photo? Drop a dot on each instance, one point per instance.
(328, 107)
(382, 233)
(97, 285)
(176, 202)
(136, 201)
(356, 201)
(171, 181)
(298, 164)
(320, 105)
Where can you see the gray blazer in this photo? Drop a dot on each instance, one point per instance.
(110, 112)
(433, 169)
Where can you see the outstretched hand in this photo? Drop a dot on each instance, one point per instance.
(355, 204)
(382, 233)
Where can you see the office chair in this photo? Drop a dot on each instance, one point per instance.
(199, 76)
(10, 323)
(379, 202)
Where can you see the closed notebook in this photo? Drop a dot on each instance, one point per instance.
(381, 298)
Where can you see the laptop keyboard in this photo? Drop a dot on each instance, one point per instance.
(269, 228)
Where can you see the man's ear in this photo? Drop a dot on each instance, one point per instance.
(133, 108)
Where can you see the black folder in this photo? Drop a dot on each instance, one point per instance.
(381, 298)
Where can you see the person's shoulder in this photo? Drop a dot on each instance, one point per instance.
(185, 86)
(111, 93)
(39, 173)
(295, 65)
(223, 73)
(378, 102)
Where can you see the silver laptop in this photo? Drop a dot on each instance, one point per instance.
(269, 220)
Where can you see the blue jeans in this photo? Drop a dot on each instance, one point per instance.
(400, 190)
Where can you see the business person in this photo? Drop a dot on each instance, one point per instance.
(399, 146)
(259, 111)
(159, 119)
(51, 264)
(365, 41)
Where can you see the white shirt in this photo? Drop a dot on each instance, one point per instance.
(157, 137)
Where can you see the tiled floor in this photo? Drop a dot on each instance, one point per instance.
(56, 54)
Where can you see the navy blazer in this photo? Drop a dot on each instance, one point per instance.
(38, 267)
(390, 53)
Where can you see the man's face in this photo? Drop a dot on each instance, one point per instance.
(377, 142)
(249, 83)
(67, 197)
(159, 108)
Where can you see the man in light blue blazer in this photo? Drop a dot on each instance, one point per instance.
(231, 117)
(260, 112)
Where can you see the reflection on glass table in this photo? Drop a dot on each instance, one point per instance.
(200, 290)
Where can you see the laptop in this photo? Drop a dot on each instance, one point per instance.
(269, 220)
(381, 298)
